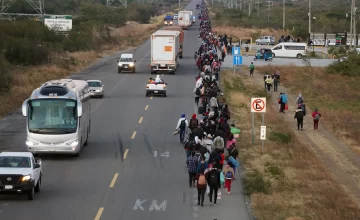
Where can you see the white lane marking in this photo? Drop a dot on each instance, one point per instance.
(113, 89)
(155, 153)
(1, 211)
(6, 204)
(138, 204)
(154, 205)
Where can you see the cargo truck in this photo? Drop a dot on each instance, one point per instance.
(181, 37)
(168, 20)
(184, 20)
(165, 47)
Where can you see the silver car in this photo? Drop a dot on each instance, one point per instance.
(96, 88)
(267, 40)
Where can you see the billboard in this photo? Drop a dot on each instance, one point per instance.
(58, 24)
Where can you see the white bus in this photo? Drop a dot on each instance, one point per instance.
(290, 49)
(58, 117)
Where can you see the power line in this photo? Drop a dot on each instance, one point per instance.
(37, 5)
(269, 5)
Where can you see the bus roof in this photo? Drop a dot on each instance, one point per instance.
(66, 88)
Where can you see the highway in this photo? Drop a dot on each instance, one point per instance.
(133, 167)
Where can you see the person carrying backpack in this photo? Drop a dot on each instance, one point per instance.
(201, 187)
(219, 143)
(252, 68)
(197, 92)
(213, 179)
(181, 127)
(229, 177)
(194, 122)
(316, 118)
(203, 165)
(299, 115)
(299, 99)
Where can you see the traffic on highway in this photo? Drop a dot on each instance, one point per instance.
(116, 157)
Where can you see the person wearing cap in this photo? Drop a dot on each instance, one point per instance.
(208, 143)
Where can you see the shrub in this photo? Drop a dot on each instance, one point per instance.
(255, 182)
(349, 67)
(5, 75)
(281, 138)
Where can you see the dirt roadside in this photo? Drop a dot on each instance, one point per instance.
(336, 156)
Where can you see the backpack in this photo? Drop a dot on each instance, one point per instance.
(193, 123)
(202, 180)
(217, 142)
(228, 175)
(300, 100)
(207, 156)
(198, 91)
(317, 116)
(213, 178)
(182, 125)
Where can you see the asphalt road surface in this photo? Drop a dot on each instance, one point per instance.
(133, 167)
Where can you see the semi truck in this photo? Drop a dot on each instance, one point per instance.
(181, 37)
(185, 20)
(165, 47)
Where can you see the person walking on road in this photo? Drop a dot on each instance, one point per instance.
(252, 68)
(284, 101)
(316, 118)
(229, 176)
(265, 78)
(191, 163)
(276, 82)
(269, 83)
(300, 99)
(299, 115)
(201, 187)
(213, 179)
(277, 75)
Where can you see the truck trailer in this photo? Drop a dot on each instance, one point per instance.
(165, 47)
(181, 37)
(185, 20)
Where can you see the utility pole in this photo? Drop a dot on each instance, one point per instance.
(353, 24)
(37, 5)
(310, 17)
(269, 4)
(250, 3)
(351, 21)
(284, 15)
(258, 2)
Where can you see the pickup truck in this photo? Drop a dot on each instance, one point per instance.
(156, 87)
(20, 172)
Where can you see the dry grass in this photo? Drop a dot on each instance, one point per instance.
(248, 33)
(337, 98)
(25, 80)
(305, 189)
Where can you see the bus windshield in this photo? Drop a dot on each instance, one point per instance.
(52, 116)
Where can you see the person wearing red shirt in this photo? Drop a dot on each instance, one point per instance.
(316, 118)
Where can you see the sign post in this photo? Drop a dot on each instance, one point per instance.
(237, 58)
(262, 136)
(60, 23)
(258, 105)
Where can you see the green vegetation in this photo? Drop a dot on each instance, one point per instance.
(349, 67)
(281, 138)
(330, 16)
(254, 182)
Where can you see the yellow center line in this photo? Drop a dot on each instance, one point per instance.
(146, 107)
(151, 97)
(99, 213)
(126, 153)
(113, 181)
(133, 135)
(141, 118)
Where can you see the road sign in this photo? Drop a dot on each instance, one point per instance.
(236, 51)
(67, 17)
(237, 60)
(258, 105)
(263, 133)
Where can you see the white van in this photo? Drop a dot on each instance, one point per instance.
(290, 49)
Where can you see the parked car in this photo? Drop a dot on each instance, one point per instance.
(269, 40)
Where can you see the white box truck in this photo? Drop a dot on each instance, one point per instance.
(185, 19)
(165, 47)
